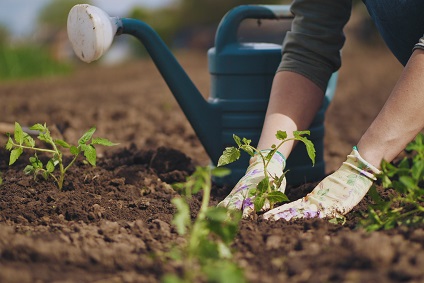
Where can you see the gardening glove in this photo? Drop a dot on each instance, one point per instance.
(239, 198)
(335, 195)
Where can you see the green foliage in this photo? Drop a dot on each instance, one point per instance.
(404, 205)
(206, 254)
(22, 141)
(55, 13)
(266, 189)
(28, 62)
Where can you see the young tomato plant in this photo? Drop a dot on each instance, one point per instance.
(206, 254)
(22, 141)
(405, 205)
(266, 189)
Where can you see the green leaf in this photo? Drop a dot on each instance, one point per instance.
(62, 143)
(90, 154)
(44, 133)
(270, 154)
(417, 144)
(229, 155)
(309, 146)
(220, 172)
(281, 135)
(248, 149)
(277, 196)
(259, 203)
(279, 180)
(29, 169)
(14, 155)
(181, 218)
(218, 214)
(74, 150)
(9, 144)
(246, 141)
(35, 162)
(196, 182)
(375, 196)
(417, 170)
(102, 141)
(223, 222)
(224, 271)
(50, 166)
(45, 174)
(263, 186)
(299, 134)
(338, 220)
(38, 127)
(18, 134)
(224, 250)
(237, 140)
(28, 140)
(87, 136)
(407, 181)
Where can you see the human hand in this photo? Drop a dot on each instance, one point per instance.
(334, 196)
(241, 197)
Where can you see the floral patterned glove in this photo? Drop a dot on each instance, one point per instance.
(239, 198)
(334, 196)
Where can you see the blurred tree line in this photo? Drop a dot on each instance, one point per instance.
(191, 18)
(178, 24)
(200, 18)
(185, 23)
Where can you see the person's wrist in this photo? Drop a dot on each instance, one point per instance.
(366, 167)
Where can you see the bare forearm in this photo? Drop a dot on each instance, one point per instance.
(401, 118)
(293, 104)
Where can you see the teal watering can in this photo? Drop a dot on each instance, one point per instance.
(241, 79)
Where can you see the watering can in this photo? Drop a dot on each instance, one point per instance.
(241, 79)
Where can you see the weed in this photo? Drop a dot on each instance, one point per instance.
(206, 254)
(266, 189)
(22, 141)
(404, 206)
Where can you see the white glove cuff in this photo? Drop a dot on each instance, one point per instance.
(362, 165)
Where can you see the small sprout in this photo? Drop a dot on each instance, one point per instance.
(22, 141)
(207, 249)
(266, 189)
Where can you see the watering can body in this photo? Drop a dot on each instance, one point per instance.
(241, 79)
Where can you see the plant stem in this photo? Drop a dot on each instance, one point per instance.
(198, 228)
(33, 148)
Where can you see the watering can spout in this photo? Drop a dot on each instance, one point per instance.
(91, 32)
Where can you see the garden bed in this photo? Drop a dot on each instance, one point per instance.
(112, 222)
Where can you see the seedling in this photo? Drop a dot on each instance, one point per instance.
(22, 141)
(266, 189)
(206, 253)
(404, 206)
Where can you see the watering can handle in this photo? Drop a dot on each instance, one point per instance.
(228, 27)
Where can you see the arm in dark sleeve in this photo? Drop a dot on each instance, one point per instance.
(312, 47)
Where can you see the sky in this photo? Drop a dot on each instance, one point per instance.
(19, 16)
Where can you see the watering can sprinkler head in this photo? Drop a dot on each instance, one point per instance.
(91, 31)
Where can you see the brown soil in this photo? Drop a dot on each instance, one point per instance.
(111, 222)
